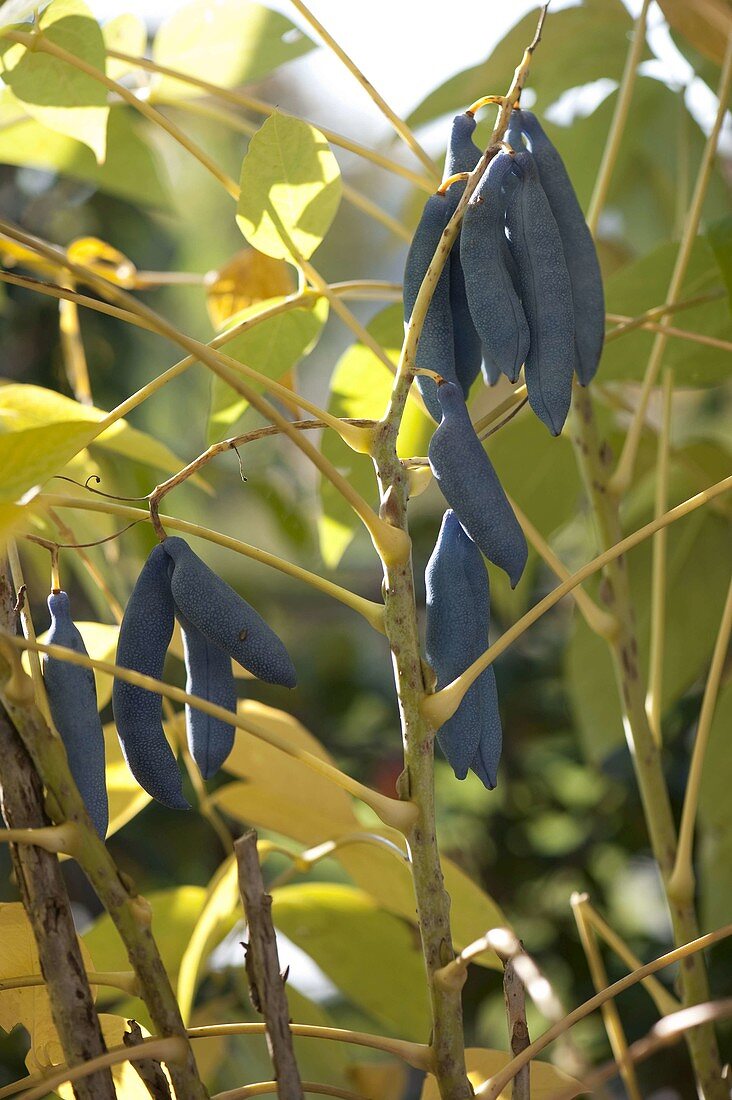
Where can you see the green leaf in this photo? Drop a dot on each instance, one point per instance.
(715, 816)
(225, 42)
(290, 188)
(561, 62)
(644, 284)
(719, 235)
(55, 92)
(370, 955)
(360, 387)
(131, 171)
(125, 33)
(697, 576)
(30, 456)
(175, 913)
(25, 406)
(273, 348)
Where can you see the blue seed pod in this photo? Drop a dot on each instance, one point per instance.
(224, 618)
(491, 373)
(471, 487)
(209, 675)
(514, 132)
(546, 293)
(457, 623)
(579, 248)
(144, 637)
(494, 304)
(435, 349)
(72, 699)
(462, 156)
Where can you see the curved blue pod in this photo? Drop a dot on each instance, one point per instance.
(208, 675)
(546, 293)
(72, 700)
(224, 618)
(471, 487)
(497, 312)
(462, 152)
(144, 637)
(435, 349)
(579, 248)
(457, 624)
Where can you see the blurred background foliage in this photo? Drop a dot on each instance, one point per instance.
(566, 815)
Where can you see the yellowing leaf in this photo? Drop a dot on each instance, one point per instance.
(100, 640)
(13, 517)
(225, 42)
(290, 188)
(126, 796)
(24, 406)
(29, 458)
(388, 1081)
(370, 955)
(29, 1006)
(248, 277)
(127, 1081)
(102, 259)
(54, 91)
(546, 1081)
(279, 792)
(125, 33)
(218, 917)
(706, 24)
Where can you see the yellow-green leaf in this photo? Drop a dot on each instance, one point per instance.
(370, 955)
(126, 33)
(126, 796)
(218, 916)
(290, 188)
(28, 458)
(546, 1080)
(225, 42)
(54, 91)
(277, 791)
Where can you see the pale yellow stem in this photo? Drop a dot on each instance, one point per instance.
(399, 125)
(125, 980)
(621, 479)
(682, 880)
(677, 333)
(658, 573)
(72, 347)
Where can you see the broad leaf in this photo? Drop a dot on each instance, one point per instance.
(126, 796)
(370, 955)
(563, 60)
(247, 278)
(218, 916)
(55, 92)
(225, 42)
(290, 188)
(706, 24)
(31, 456)
(126, 33)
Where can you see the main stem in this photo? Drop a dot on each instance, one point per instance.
(595, 460)
(417, 780)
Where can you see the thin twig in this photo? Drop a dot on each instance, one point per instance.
(266, 984)
(679, 333)
(657, 312)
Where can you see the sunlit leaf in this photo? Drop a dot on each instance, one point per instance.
(30, 456)
(277, 791)
(247, 278)
(102, 259)
(220, 912)
(360, 387)
(16, 11)
(127, 1082)
(126, 33)
(546, 1081)
(290, 188)
(126, 796)
(55, 92)
(370, 955)
(225, 42)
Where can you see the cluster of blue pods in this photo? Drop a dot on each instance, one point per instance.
(521, 288)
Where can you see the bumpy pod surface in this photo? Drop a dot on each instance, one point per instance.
(224, 618)
(462, 156)
(546, 293)
(471, 487)
(435, 349)
(494, 304)
(209, 675)
(144, 637)
(72, 699)
(457, 622)
(579, 248)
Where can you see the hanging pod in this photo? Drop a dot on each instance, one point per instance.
(494, 304)
(471, 487)
(457, 624)
(72, 700)
(144, 637)
(208, 675)
(435, 348)
(546, 294)
(462, 156)
(224, 618)
(579, 248)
